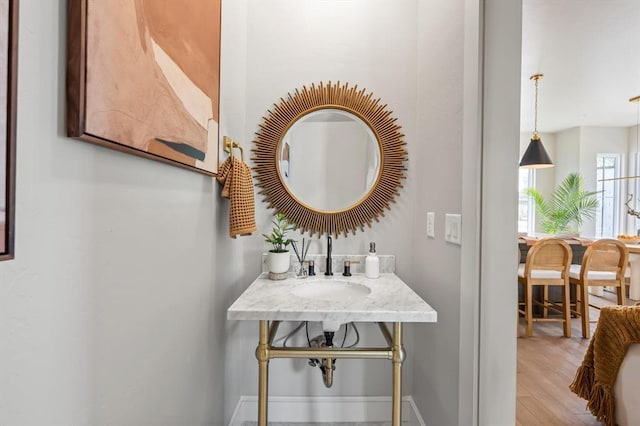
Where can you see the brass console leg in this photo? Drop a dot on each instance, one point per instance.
(398, 357)
(262, 354)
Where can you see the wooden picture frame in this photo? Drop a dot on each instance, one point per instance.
(8, 78)
(143, 77)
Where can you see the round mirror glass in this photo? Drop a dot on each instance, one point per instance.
(329, 159)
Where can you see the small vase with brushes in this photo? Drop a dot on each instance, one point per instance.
(301, 255)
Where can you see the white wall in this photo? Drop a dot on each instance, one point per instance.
(500, 123)
(235, 262)
(567, 154)
(291, 44)
(595, 140)
(113, 311)
(576, 151)
(437, 160)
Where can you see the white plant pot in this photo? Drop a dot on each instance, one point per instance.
(278, 262)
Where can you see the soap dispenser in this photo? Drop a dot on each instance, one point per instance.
(372, 263)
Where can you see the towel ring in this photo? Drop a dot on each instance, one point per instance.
(229, 144)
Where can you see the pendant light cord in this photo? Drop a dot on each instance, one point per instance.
(637, 125)
(536, 78)
(535, 113)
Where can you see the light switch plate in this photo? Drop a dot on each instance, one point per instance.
(453, 228)
(431, 224)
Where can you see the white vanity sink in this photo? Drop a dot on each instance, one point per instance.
(332, 301)
(331, 290)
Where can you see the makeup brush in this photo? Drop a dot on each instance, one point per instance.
(295, 249)
(304, 254)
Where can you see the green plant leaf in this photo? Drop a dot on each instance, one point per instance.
(280, 228)
(568, 206)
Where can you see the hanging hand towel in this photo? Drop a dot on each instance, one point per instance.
(235, 176)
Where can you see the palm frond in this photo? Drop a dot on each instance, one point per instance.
(569, 204)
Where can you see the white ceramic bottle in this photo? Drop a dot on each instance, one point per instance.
(372, 263)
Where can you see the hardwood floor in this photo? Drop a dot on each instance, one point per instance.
(547, 363)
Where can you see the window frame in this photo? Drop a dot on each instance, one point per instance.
(531, 208)
(617, 200)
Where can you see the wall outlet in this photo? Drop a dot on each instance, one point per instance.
(431, 224)
(453, 228)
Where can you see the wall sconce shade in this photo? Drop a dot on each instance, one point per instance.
(536, 157)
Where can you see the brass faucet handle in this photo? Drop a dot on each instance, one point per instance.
(347, 267)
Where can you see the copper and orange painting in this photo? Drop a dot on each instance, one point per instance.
(4, 55)
(8, 81)
(152, 77)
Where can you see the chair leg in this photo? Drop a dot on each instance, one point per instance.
(622, 294)
(566, 309)
(584, 310)
(528, 309)
(518, 334)
(545, 297)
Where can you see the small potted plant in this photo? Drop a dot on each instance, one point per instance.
(279, 258)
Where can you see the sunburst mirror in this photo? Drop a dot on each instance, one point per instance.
(330, 157)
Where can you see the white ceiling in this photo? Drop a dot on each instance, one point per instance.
(589, 53)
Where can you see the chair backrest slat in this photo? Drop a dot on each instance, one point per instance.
(607, 255)
(549, 254)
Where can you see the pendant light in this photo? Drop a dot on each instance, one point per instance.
(536, 157)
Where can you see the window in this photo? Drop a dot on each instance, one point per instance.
(526, 218)
(608, 194)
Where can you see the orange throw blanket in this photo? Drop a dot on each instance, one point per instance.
(235, 176)
(618, 327)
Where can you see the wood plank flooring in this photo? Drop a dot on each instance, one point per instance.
(547, 363)
(322, 424)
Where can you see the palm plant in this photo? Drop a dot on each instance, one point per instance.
(567, 209)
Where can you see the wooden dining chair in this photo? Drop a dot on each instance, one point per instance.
(547, 264)
(604, 264)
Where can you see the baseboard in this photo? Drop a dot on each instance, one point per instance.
(326, 409)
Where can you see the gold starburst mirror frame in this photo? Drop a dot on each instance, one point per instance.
(271, 150)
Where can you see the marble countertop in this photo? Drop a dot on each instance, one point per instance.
(390, 300)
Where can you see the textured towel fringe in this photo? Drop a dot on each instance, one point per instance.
(601, 405)
(582, 384)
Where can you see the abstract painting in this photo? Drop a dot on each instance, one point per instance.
(143, 77)
(8, 80)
